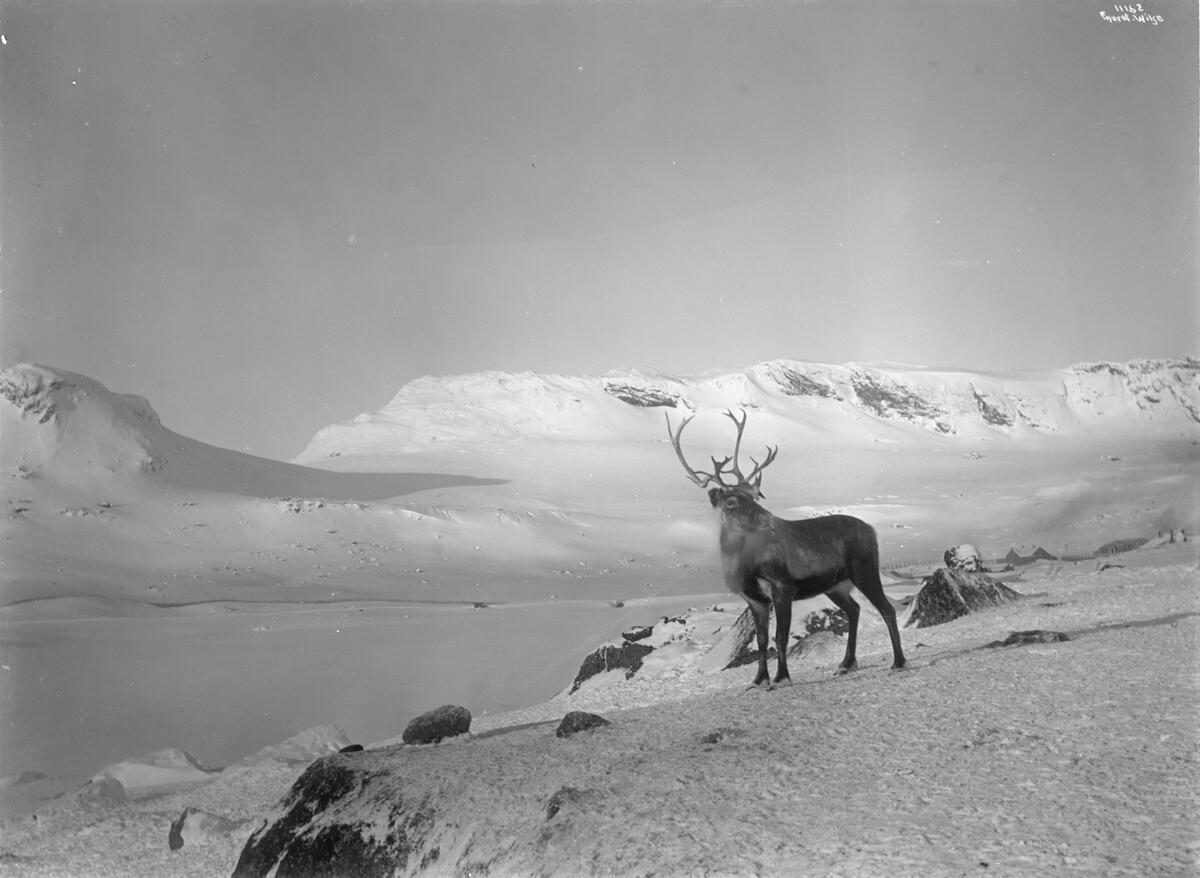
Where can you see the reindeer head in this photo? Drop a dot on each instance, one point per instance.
(738, 500)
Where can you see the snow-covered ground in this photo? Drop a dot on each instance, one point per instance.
(160, 595)
(1081, 757)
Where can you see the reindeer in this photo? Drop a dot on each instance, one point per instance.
(771, 561)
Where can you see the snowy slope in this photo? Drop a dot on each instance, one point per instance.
(931, 457)
(73, 431)
(1162, 396)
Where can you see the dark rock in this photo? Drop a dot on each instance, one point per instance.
(793, 382)
(643, 397)
(991, 412)
(1024, 638)
(579, 721)
(948, 594)
(352, 748)
(195, 827)
(964, 557)
(637, 632)
(446, 721)
(340, 818)
(610, 657)
(891, 399)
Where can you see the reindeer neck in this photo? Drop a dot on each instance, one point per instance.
(734, 525)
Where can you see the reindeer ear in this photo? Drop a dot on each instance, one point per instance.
(714, 496)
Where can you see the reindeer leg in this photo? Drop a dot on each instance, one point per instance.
(783, 626)
(841, 597)
(874, 592)
(761, 611)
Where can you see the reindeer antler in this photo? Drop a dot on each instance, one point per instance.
(737, 448)
(701, 479)
(759, 467)
(754, 480)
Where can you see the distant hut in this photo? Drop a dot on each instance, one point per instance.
(1039, 554)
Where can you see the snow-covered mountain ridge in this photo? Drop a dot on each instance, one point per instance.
(493, 406)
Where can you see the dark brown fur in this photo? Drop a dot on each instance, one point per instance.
(770, 561)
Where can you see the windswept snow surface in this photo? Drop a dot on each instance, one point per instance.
(1080, 757)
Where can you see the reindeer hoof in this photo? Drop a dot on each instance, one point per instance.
(785, 681)
(845, 669)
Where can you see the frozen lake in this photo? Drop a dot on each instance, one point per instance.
(222, 682)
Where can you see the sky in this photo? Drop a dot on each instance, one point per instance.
(266, 217)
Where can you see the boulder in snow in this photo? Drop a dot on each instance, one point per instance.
(637, 632)
(964, 557)
(579, 721)
(948, 594)
(447, 721)
(610, 657)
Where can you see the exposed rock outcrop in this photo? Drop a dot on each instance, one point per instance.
(643, 397)
(946, 595)
(627, 654)
(334, 821)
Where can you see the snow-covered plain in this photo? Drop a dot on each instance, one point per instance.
(161, 593)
